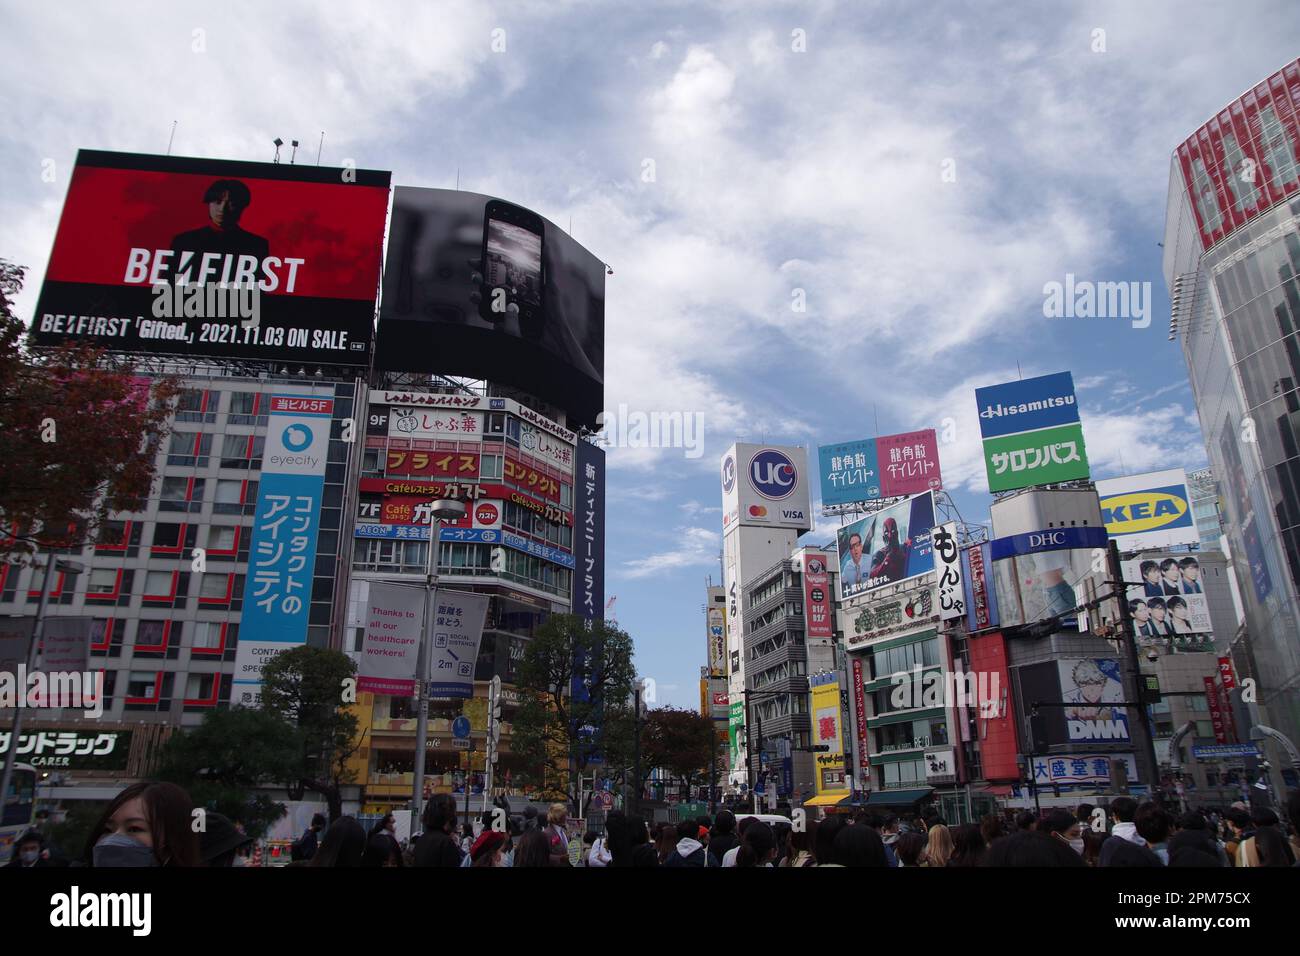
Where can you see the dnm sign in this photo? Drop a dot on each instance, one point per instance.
(773, 474)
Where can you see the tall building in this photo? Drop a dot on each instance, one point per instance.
(1205, 508)
(788, 636)
(766, 505)
(1232, 264)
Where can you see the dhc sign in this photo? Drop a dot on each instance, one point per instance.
(1051, 539)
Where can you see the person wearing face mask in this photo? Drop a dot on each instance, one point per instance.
(30, 853)
(1064, 826)
(147, 824)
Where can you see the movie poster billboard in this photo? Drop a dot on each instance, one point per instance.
(888, 547)
(1046, 574)
(1153, 510)
(176, 255)
(886, 467)
(481, 287)
(1170, 600)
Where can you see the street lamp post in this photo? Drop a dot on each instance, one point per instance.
(439, 511)
(38, 631)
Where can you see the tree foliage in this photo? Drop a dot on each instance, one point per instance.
(563, 733)
(305, 687)
(678, 741)
(81, 431)
(226, 758)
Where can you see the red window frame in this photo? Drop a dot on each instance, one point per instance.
(210, 701)
(217, 651)
(113, 596)
(153, 648)
(157, 690)
(230, 590)
(162, 597)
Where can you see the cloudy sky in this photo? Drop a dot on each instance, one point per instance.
(912, 174)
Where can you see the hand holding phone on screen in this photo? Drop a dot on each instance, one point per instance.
(513, 273)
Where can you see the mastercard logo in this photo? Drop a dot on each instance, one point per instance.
(757, 511)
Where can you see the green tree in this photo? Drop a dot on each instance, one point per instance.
(562, 734)
(306, 687)
(81, 431)
(678, 741)
(226, 758)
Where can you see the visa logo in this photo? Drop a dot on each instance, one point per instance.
(793, 515)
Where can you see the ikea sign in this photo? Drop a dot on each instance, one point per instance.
(1154, 516)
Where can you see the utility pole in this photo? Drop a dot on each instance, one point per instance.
(636, 748)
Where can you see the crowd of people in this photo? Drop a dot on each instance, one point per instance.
(151, 824)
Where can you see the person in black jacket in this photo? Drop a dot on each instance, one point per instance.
(643, 851)
(30, 853)
(304, 848)
(1193, 845)
(722, 837)
(437, 846)
(1031, 848)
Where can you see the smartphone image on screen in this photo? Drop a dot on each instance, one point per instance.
(513, 272)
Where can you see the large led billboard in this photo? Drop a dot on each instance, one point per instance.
(1046, 574)
(479, 287)
(887, 547)
(173, 255)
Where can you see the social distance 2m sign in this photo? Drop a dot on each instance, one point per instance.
(141, 235)
(1032, 433)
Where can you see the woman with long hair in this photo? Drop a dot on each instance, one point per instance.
(667, 842)
(533, 849)
(758, 848)
(938, 850)
(644, 852)
(147, 824)
(967, 845)
(344, 844)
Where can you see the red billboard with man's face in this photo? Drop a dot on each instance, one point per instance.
(175, 255)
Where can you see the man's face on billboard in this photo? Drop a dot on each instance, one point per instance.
(1141, 613)
(1093, 690)
(224, 211)
(1052, 577)
(1171, 574)
(1192, 572)
(855, 547)
(1158, 612)
(1153, 574)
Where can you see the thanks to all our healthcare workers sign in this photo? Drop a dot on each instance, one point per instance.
(141, 232)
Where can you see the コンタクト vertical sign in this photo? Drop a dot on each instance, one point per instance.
(282, 555)
(1032, 433)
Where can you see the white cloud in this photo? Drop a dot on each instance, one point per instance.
(698, 546)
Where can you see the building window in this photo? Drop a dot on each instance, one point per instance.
(200, 686)
(102, 581)
(244, 408)
(142, 684)
(221, 537)
(229, 497)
